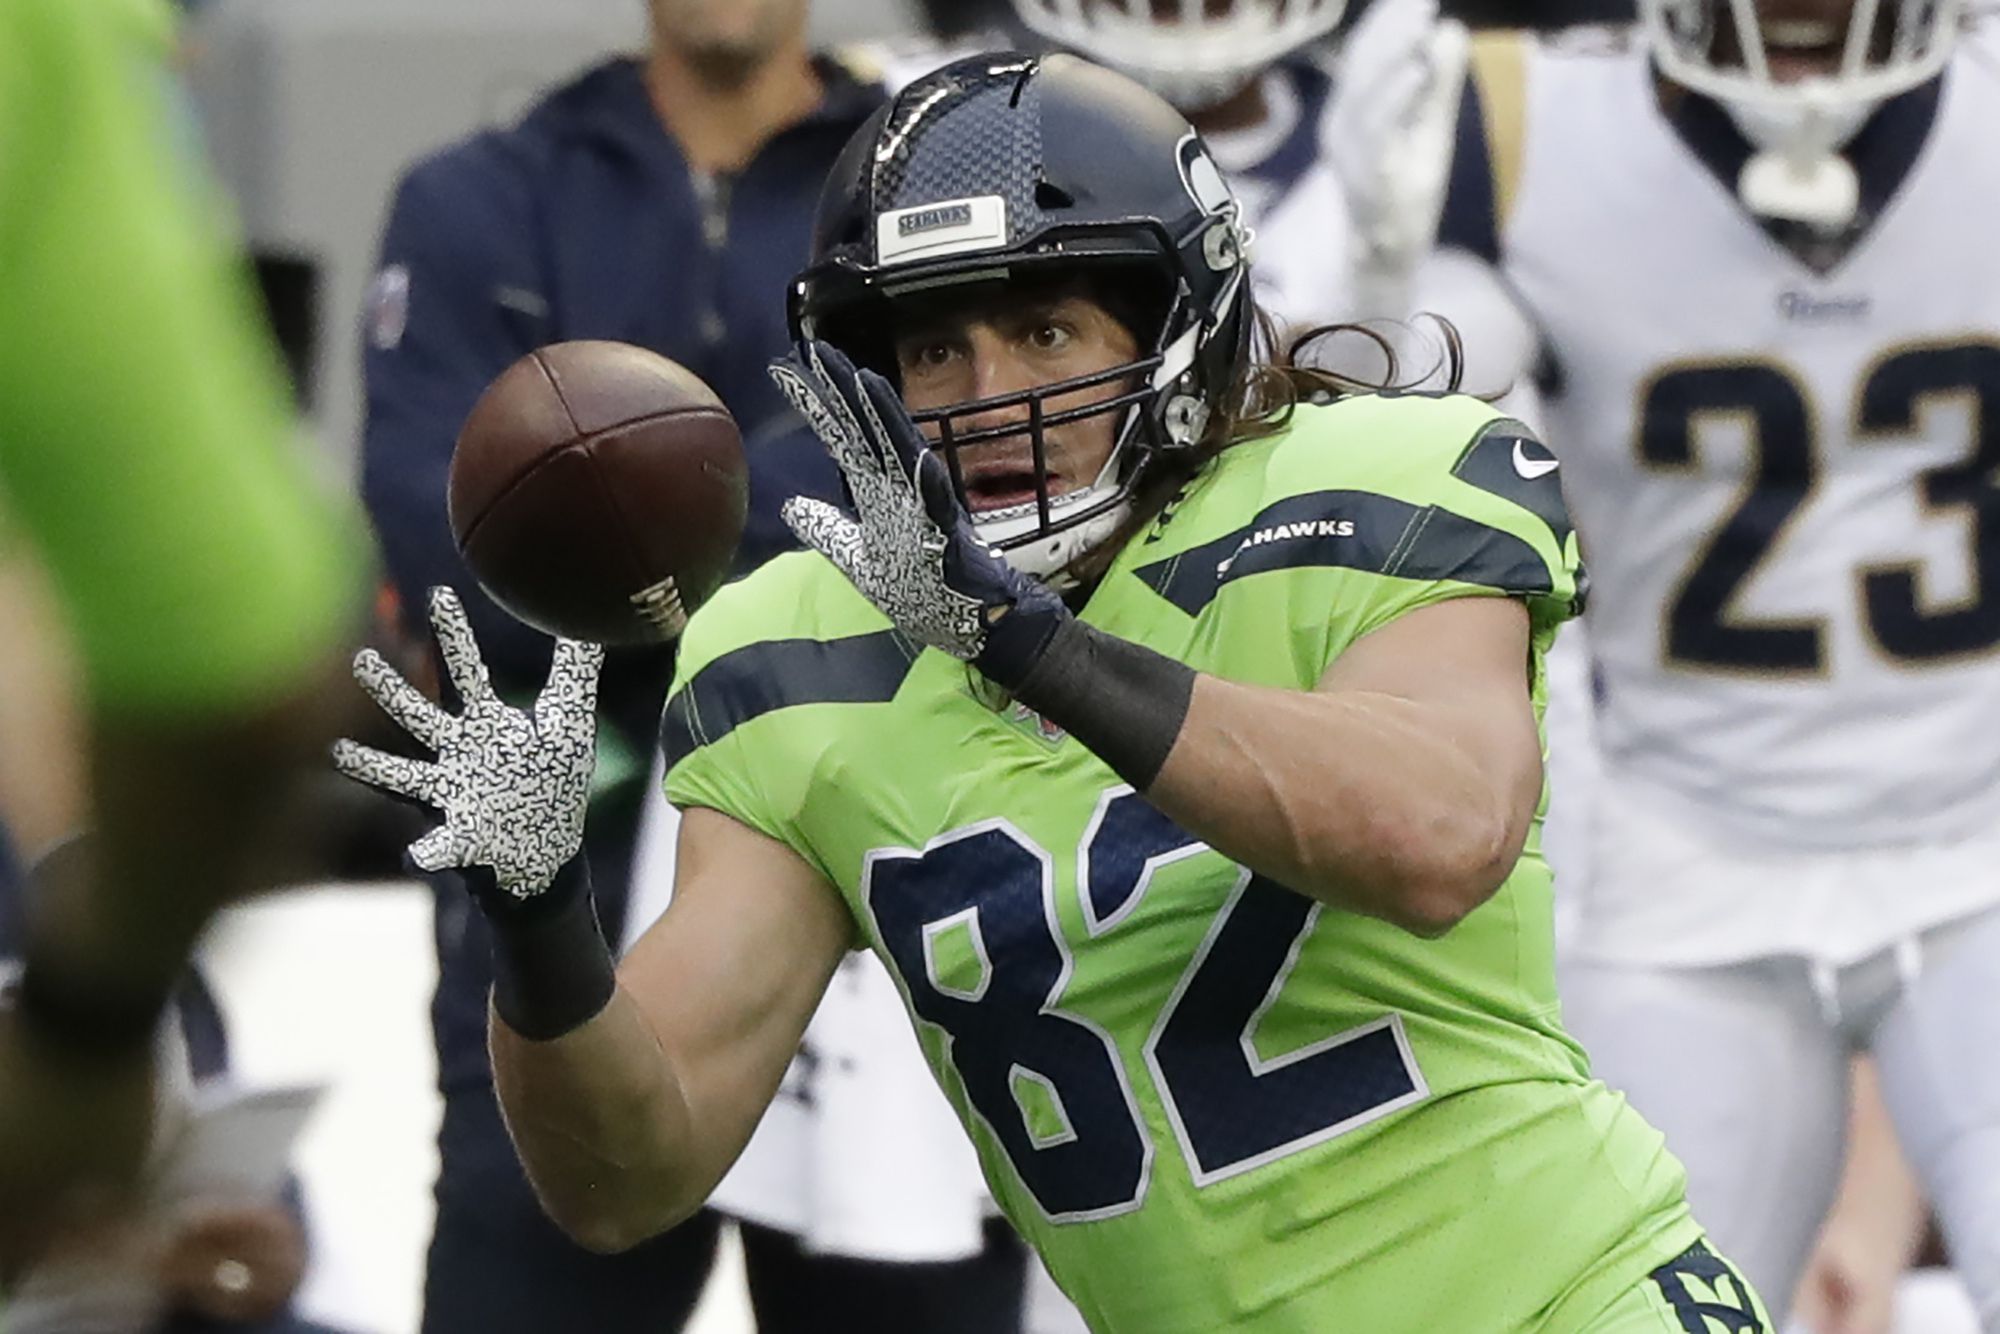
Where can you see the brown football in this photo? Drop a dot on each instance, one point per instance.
(598, 492)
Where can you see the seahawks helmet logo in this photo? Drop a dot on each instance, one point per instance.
(922, 220)
(1202, 178)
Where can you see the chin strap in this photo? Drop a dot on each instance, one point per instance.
(1823, 192)
(1046, 558)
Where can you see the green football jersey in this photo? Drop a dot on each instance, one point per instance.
(1210, 1103)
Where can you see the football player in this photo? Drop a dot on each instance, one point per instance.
(145, 453)
(1753, 240)
(1165, 720)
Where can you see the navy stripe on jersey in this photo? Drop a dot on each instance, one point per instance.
(757, 679)
(1354, 530)
(1883, 152)
(1507, 460)
(1471, 216)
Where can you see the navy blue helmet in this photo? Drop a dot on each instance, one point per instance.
(1008, 165)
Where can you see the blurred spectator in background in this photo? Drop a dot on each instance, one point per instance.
(662, 202)
(195, 1254)
(144, 453)
(960, 18)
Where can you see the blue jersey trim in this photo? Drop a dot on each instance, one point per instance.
(1494, 462)
(1884, 153)
(1471, 217)
(1300, 151)
(762, 678)
(1355, 530)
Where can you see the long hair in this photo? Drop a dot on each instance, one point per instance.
(1274, 379)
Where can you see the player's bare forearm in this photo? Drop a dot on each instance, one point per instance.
(1364, 800)
(1879, 1186)
(187, 817)
(627, 1123)
(181, 813)
(1403, 786)
(1874, 1231)
(42, 783)
(602, 1125)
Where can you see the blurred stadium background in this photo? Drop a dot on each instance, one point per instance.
(311, 107)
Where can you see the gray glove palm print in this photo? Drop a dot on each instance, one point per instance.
(905, 520)
(512, 784)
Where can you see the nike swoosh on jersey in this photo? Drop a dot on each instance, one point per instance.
(1529, 468)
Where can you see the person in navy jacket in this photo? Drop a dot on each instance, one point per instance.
(662, 201)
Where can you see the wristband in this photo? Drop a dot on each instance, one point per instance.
(1124, 701)
(552, 971)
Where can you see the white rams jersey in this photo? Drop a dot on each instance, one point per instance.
(1281, 172)
(1785, 479)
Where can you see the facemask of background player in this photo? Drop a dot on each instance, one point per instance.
(993, 340)
(1802, 44)
(1800, 78)
(726, 41)
(1195, 53)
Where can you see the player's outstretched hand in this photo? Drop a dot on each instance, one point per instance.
(512, 784)
(909, 546)
(1402, 75)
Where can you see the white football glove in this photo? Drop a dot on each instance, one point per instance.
(1392, 134)
(512, 784)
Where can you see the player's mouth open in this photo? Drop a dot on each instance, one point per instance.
(1803, 35)
(1003, 484)
(1802, 48)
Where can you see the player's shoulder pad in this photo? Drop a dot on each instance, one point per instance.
(1489, 495)
(1426, 448)
(794, 632)
(1507, 459)
(1384, 435)
(1410, 486)
(796, 595)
